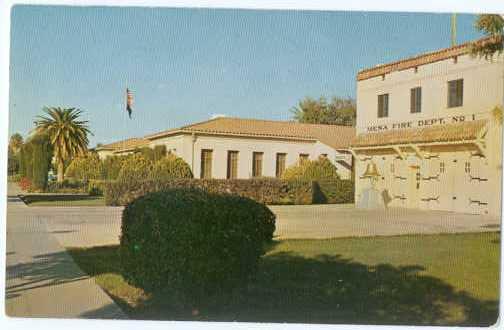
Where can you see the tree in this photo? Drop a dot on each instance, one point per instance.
(493, 26)
(41, 161)
(340, 111)
(68, 135)
(35, 158)
(15, 143)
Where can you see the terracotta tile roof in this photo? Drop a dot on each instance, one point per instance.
(124, 145)
(335, 136)
(465, 131)
(422, 59)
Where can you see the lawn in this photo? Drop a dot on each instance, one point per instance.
(63, 200)
(425, 279)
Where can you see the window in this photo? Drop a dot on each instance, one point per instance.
(455, 93)
(206, 164)
(383, 104)
(441, 167)
(467, 168)
(416, 100)
(303, 157)
(280, 164)
(232, 165)
(257, 160)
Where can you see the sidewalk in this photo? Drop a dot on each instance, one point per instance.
(42, 280)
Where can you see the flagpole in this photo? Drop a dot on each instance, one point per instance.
(454, 30)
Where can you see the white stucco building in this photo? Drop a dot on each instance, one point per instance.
(236, 148)
(432, 125)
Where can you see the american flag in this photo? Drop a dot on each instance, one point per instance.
(129, 101)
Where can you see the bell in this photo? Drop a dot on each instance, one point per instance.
(371, 171)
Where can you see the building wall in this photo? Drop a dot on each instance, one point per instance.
(102, 154)
(182, 146)
(483, 90)
(469, 183)
(449, 178)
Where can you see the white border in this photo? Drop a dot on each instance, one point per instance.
(446, 6)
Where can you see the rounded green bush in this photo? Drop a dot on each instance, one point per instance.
(134, 168)
(171, 167)
(312, 170)
(193, 243)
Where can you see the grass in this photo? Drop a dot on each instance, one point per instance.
(425, 279)
(63, 200)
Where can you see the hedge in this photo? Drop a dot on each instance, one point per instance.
(333, 191)
(153, 154)
(170, 167)
(85, 168)
(134, 168)
(312, 170)
(67, 187)
(96, 187)
(193, 244)
(267, 191)
(112, 166)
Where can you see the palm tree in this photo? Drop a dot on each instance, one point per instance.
(493, 26)
(67, 134)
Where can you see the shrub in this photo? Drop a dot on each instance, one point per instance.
(171, 167)
(193, 243)
(153, 154)
(134, 169)
(96, 187)
(321, 169)
(85, 168)
(67, 186)
(333, 191)
(25, 184)
(111, 167)
(159, 152)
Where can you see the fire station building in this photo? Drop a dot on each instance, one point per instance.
(431, 127)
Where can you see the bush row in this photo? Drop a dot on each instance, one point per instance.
(265, 190)
(333, 191)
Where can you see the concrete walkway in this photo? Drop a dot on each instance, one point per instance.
(42, 280)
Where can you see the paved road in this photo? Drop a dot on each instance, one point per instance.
(42, 280)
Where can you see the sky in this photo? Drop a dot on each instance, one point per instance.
(187, 65)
